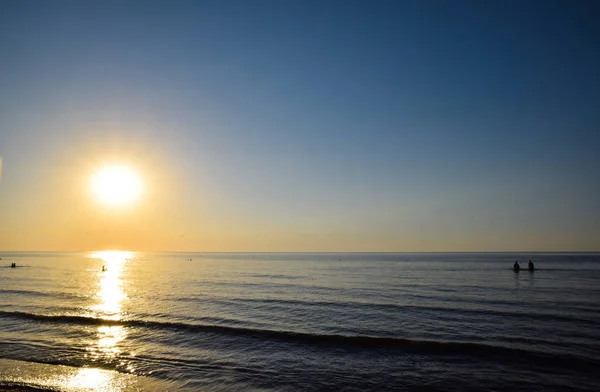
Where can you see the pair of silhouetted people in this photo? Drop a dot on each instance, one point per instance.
(13, 265)
(530, 266)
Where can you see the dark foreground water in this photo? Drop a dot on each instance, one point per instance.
(300, 322)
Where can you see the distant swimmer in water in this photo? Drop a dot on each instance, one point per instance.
(530, 266)
(516, 267)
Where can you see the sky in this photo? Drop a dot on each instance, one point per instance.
(302, 125)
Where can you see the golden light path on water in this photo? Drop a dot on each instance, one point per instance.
(110, 295)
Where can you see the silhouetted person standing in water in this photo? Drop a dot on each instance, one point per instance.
(531, 266)
(516, 266)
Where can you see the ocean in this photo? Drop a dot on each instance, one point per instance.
(300, 321)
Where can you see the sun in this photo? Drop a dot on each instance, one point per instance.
(116, 185)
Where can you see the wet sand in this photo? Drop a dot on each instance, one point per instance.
(22, 376)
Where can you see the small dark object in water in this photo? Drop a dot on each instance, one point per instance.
(530, 266)
(516, 267)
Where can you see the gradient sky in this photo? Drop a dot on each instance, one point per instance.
(302, 125)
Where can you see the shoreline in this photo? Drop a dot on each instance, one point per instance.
(22, 388)
(25, 376)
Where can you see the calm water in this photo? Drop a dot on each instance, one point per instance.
(300, 322)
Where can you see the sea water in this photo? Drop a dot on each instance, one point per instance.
(300, 321)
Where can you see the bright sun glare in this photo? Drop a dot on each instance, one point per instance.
(116, 185)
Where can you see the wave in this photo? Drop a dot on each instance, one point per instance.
(34, 293)
(385, 307)
(342, 341)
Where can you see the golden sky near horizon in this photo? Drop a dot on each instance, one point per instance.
(70, 201)
(64, 211)
(58, 204)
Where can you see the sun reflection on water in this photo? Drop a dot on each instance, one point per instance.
(90, 378)
(111, 293)
(108, 337)
(110, 297)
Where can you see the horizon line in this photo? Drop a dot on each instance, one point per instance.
(301, 252)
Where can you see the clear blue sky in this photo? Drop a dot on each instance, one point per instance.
(308, 125)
